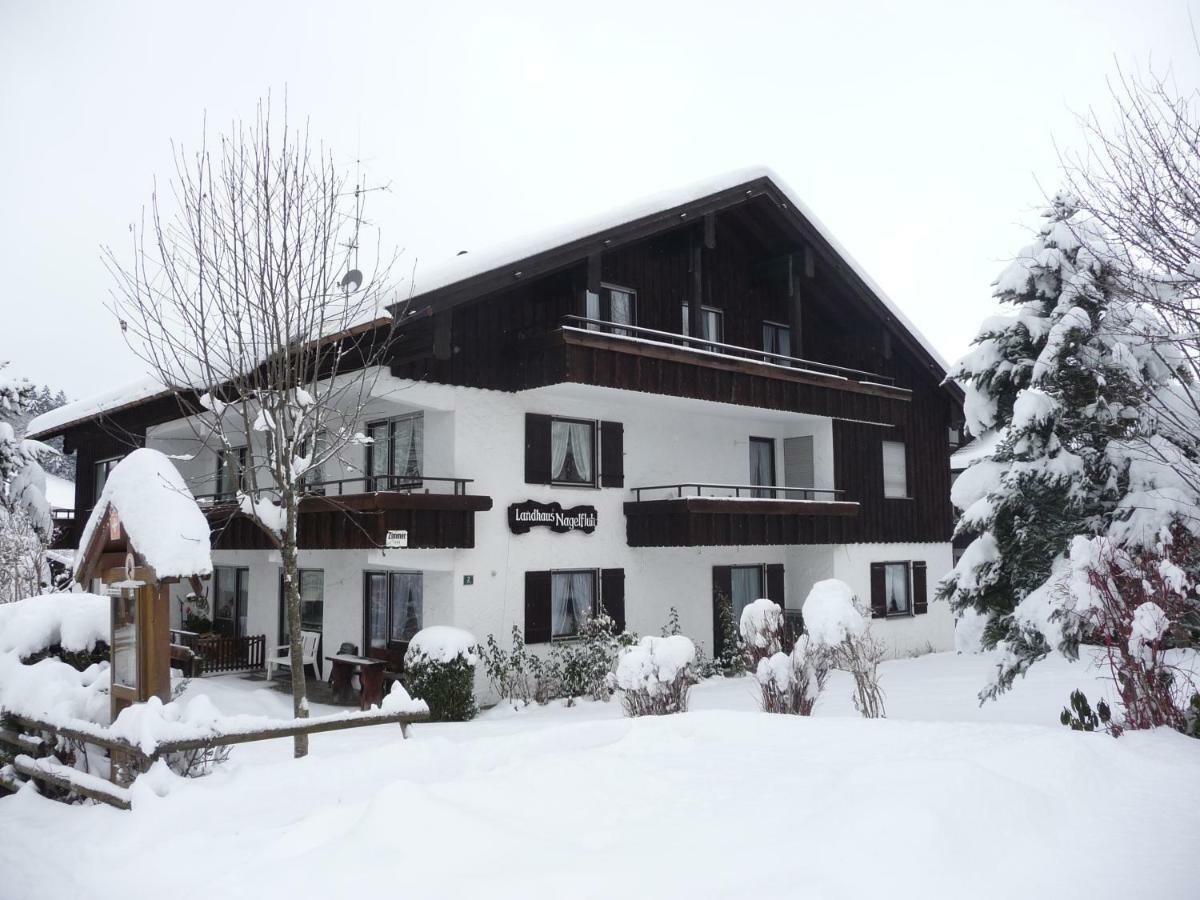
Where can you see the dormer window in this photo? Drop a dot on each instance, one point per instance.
(614, 304)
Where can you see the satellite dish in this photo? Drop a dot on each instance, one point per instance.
(352, 280)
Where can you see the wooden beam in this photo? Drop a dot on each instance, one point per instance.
(68, 779)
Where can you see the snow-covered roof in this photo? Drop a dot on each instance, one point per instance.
(978, 449)
(158, 513)
(60, 493)
(472, 264)
(131, 394)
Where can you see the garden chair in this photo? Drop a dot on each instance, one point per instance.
(309, 641)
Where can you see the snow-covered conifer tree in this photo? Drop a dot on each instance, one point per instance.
(1059, 384)
(25, 525)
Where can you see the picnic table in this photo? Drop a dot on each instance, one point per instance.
(370, 678)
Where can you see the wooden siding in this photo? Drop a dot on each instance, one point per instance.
(361, 522)
(721, 522)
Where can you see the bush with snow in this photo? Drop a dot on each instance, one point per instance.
(761, 629)
(439, 668)
(792, 682)
(655, 675)
(838, 625)
(72, 625)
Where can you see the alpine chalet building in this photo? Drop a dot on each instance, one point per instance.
(698, 401)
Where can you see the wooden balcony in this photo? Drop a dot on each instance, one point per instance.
(589, 351)
(736, 515)
(357, 514)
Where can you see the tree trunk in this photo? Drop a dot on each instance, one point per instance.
(291, 594)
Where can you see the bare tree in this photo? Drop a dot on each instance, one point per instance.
(249, 299)
(1139, 178)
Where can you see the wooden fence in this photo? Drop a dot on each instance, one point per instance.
(225, 653)
(32, 742)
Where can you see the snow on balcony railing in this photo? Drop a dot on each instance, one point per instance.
(364, 484)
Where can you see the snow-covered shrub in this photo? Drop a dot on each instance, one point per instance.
(69, 627)
(837, 624)
(1079, 716)
(655, 675)
(761, 630)
(1138, 605)
(439, 668)
(730, 660)
(792, 682)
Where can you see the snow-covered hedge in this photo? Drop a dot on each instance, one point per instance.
(74, 623)
(792, 682)
(439, 668)
(655, 675)
(839, 627)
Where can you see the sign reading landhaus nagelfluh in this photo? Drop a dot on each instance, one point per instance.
(531, 514)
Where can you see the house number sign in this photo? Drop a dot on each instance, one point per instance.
(531, 514)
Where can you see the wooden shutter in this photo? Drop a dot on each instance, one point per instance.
(612, 454)
(920, 595)
(537, 449)
(722, 578)
(537, 607)
(775, 588)
(612, 595)
(878, 592)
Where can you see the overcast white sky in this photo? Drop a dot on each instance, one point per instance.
(921, 133)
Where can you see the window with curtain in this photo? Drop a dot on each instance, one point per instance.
(613, 304)
(777, 338)
(895, 470)
(229, 594)
(100, 472)
(231, 467)
(395, 613)
(572, 452)
(896, 591)
(312, 602)
(746, 586)
(572, 600)
(762, 464)
(712, 323)
(396, 451)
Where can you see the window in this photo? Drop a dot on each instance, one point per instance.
(230, 589)
(712, 323)
(558, 602)
(572, 452)
(895, 470)
(613, 304)
(762, 464)
(312, 482)
(572, 601)
(394, 606)
(231, 468)
(312, 602)
(746, 586)
(896, 589)
(736, 587)
(395, 453)
(777, 339)
(100, 472)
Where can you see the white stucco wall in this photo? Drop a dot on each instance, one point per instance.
(481, 435)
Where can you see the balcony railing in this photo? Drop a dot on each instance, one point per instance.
(717, 348)
(754, 491)
(361, 484)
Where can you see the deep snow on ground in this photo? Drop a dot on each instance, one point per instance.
(942, 799)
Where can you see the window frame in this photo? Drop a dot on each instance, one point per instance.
(389, 644)
(241, 589)
(906, 495)
(604, 308)
(595, 573)
(219, 495)
(300, 571)
(685, 311)
(595, 427)
(392, 479)
(781, 326)
(109, 463)
(909, 611)
(767, 492)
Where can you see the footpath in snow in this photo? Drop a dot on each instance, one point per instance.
(942, 799)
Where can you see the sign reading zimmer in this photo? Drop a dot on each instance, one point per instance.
(531, 514)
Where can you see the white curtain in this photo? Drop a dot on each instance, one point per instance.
(560, 440)
(746, 585)
(571, 599)
(406, 605)
(896, 587)
(377, 600)
(581, 449)
(761, 457)
(406, 450)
